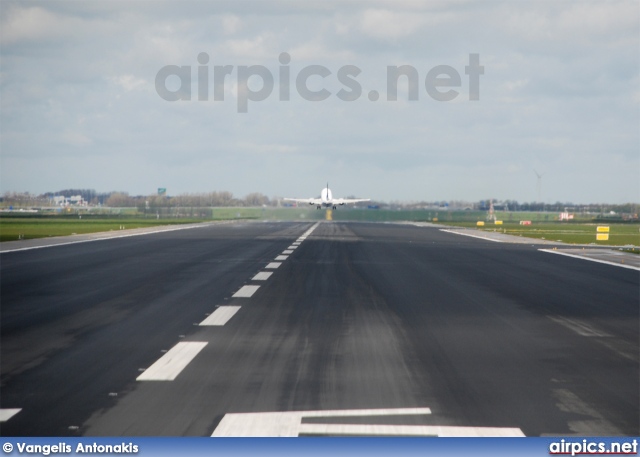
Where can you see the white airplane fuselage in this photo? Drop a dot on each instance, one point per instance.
(326, 197)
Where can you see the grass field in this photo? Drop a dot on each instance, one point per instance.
(574, 233)
(12, 229)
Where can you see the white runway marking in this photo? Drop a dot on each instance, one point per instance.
(407, 430)
(262, 276)
(472, 236)
(551, 251)
(8, 413)
(290, 424)
(292, 247)
(220, 316)
(170, 365)
(288, 251)
(310, 231)
(367, 412)
(245, 292)
(281, 257)
(273, 265)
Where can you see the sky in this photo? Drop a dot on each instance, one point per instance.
(87, 89)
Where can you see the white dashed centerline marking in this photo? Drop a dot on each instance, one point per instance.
(8, 413)
(273, 265)
(288, 251)
(262, 276)
(220, 316)
(170, 365)
(246, 292)
(281, 257)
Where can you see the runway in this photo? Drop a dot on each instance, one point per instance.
(297, 329)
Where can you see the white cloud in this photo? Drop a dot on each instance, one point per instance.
(317, 51)
(73, 138)
(566, 26)
(32, 24)
(598, 18)
(516, 85)
(129, 82)
(257, 48)
(261, 148)
(231, 24)
(24, 24)
(382, 23)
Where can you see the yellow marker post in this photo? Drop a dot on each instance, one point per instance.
(498, 222)
(480, 223)
(329, 215)
(603, 233)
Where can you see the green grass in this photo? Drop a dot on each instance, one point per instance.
(37, 225)
(286, 214)
(12, 229)
(573, 233)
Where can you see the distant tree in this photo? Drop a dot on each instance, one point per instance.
(256, 199)
(226, 198)
(513, 205)
(120, 199)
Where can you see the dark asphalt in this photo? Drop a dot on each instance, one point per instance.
(360, 316)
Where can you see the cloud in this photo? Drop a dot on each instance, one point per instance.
(129, 82)
(256, 48)
(32, 24)
(382, 23)
(318, 51)
(74, 138)
(231, 24)
(271, 149)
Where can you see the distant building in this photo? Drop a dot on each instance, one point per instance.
(75, 200)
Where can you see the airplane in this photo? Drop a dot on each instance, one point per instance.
(326, 199)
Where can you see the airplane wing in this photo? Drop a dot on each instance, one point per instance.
(342, 201)
(309, 201)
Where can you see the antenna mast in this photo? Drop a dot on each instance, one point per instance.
(539, 184)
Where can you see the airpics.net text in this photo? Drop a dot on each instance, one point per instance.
(440, 82)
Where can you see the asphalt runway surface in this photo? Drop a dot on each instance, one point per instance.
(331, 328)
